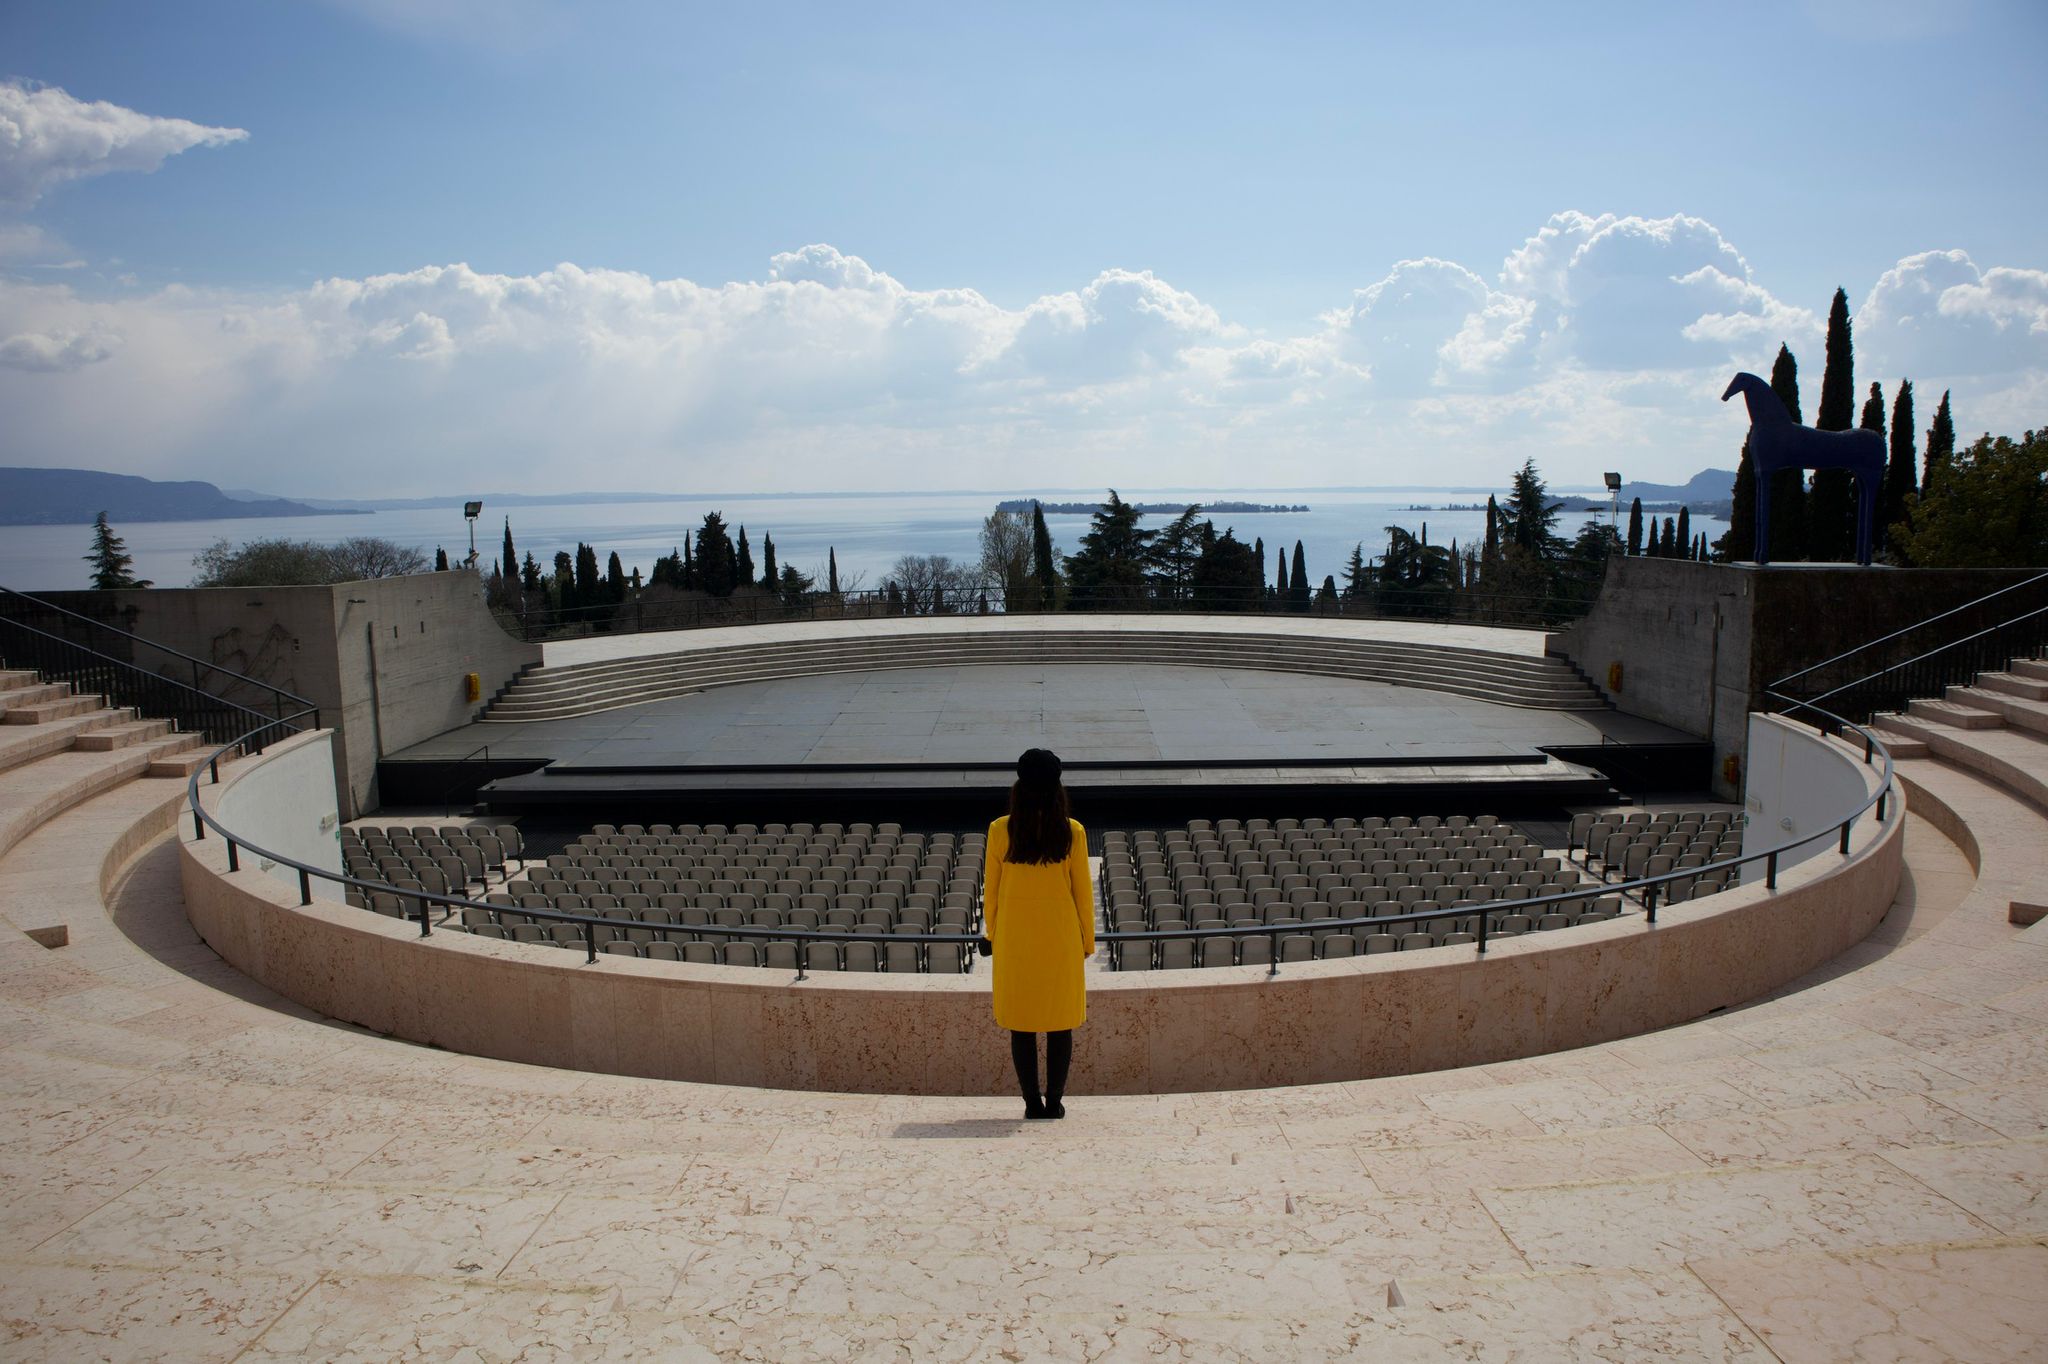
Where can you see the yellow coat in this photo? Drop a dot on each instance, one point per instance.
(1041, 919)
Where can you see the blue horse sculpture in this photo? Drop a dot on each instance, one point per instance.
(1777, 442)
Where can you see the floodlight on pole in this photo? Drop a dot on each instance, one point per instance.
(472, 510)
(1613, 500)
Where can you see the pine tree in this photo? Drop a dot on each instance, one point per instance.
(509, 563)
(770, 577)
(745, 561)
(1298, 597)
(1357, 577)
(1788, 486)
(1667, 548)
(440, 559)
(1635, 525)
(1941, 444)
(111, 562)
(832, 570)
(529, 574)
(1899, 468)
(1043, 571)
(1108, 568)
(1684, 533)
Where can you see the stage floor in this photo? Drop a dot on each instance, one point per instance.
(988, 714)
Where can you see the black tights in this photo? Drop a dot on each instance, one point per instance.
(1059, 1056)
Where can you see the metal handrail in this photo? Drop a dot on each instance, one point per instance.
(1781, 683)
(43, 605)
(1646, 886)
(148, 679)
(1921, 658)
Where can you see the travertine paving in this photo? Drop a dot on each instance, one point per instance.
(190, 1169)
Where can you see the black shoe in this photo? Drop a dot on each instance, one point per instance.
(1034, 1110)
(1055, 1109)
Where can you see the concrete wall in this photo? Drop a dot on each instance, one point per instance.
(293, 813)
(1792, 791)
(384, 660)
(1146, 1032)
(1699, 643)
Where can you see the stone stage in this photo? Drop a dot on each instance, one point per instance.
(923, 742)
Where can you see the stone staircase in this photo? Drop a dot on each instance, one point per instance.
(40, 719)
(1993, 731)
(563, 691)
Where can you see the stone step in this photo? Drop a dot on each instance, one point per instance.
(25, 743)
(2013, 684)
(1901, 745)
(13, 679)
(43, 712)
(179, 755)
(35, 693)
(2030, 667)
(121, 735)
(2011, 758)
(2015, 711)
(1954, 715)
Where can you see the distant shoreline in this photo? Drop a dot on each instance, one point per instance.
(1025, 504)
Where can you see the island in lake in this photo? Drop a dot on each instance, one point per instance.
(1024, 504)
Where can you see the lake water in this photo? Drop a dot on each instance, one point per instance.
(869, 533)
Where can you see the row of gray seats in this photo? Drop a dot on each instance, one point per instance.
(898, 958)
(1313, 945)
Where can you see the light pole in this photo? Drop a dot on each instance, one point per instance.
(1613, 501)
(472, 510)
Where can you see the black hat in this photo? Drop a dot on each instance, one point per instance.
(1038, 764)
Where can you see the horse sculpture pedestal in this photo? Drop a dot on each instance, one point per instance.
(1777, 442)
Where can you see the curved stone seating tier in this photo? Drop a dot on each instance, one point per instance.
(199, 1169)
(558, 691)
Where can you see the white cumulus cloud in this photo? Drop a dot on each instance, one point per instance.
(47, 138)
(1936, 313)
(39, 352)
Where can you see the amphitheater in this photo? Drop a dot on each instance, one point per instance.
(1464, 1082)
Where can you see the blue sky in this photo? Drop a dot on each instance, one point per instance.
(832, 246)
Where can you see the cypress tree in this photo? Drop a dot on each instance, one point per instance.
(510, 562)
(832, 570)
(589, 592)
(1831, 511)
(1298, 588)
(1788, 486)
(1899, 468)
(1738, 542)
(1871, 420)
(1941, 444)
(717, 569)
(1667, 548)
(689, 564)
(770, 579)
(1043, 571)
(565, 581)
(440, 559)
(1280, 583)
(1326, 595)
(529, 574)
(615, 579)
(1684, 533)
(111, 562)
(745, 561)
(1635, 524)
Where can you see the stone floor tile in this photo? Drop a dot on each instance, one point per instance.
(1912, 1305)
(63, 1312)
(1458, 1167)
(2005, 1183)
(1799, 1134)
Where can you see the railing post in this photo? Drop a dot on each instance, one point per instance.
(234, 857)
(1845, 834)
(1484, 915)
(1650, 902)
(1882, 796)
(426, 922)
(1771, 872)
(305, 887)
(590, 940)
(198, 825)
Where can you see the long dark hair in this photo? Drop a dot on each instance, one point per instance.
(1039, 832)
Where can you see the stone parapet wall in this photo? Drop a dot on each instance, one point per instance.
(1147, 1032)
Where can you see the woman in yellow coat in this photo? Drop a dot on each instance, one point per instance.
(1038, 909)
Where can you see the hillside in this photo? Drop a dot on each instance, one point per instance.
(60, 497)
